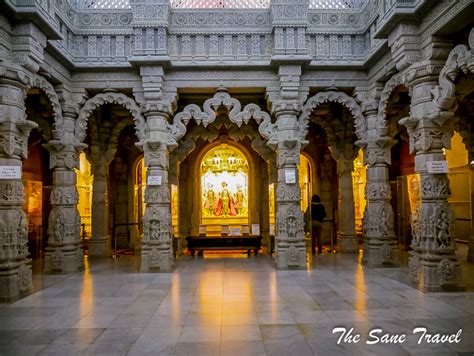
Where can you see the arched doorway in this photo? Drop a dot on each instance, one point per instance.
(224, 177)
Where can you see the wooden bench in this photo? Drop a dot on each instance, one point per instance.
(207, 243)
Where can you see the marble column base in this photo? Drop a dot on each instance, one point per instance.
(291, 257)
(156, 259)
(470, 252)
(99, 247)
(14, 280)
(63, 259)
(381, 253)
(436, 274)
(347, 243)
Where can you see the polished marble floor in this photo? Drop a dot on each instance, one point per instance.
(231, 305)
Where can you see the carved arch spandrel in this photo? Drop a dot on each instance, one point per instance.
(336, 97)
(177, 129)
(109, 98)
(37, 81)
(461, 58)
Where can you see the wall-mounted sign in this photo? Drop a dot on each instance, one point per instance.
(255, 229)
(437, 167)
(272, 229)
(224, 230)
(245, 230)
(234, 231)
(10, 172)
(154, 180)
(290, 176)
(202, 230)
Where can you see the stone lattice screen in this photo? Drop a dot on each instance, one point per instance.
(180, 4)
(228, 4)
(212, 4)
(104, 4)
(335, 4)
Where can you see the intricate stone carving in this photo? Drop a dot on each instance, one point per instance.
(446, 271)
(206, 116)
(110, 98)
(288, 158)
(459, 59)
(37, 81)
(157, 194)
(288, 192)
(435, 187)
(332, 96)
(11, 192)
(441, 219)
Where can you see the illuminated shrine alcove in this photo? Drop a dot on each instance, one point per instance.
(224, 189)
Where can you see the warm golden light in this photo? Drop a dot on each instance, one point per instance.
(359, 181)
(305, 182)
(84, 189)
(224, 187)
(271, 203)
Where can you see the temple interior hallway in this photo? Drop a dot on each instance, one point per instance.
(230, 306)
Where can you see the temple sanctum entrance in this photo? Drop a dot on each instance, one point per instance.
(224, 189)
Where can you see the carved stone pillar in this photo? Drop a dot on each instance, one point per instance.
(99, 244)
(157, 243)
(15, 273)
(380, 246)
(290, 248)
(64, 252)
(347, 241)
(433, 263)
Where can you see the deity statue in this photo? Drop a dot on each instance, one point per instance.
(239, 200)
(210, 201)
(225, 205)
(444, 235)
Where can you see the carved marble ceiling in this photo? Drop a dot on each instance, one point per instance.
(228, 4)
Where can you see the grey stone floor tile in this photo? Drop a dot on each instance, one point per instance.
(197, 349)
(240, 348)
(229, 307)
(78, 336)
(21, 350)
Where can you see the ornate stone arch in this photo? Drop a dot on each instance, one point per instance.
(177, 129)
(37, 81)
(395, 81)
(116, 130)
(109, 98)
(337, 97)
(461, 58)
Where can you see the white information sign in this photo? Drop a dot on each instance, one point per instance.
(255, 229)
(437, 167)
(245, 229)
(10, 172)
(224, 230)
(290, 176)
(235, 231)
(202, 230)
(272, 229)
(154, 180)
